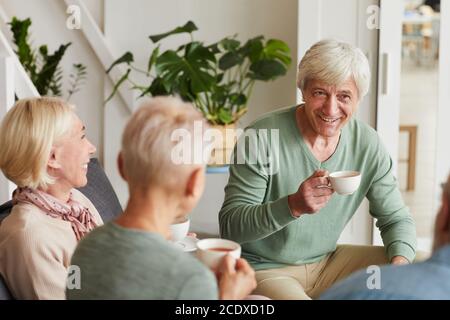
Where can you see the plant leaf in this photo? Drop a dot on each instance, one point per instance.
(220, 95)
(55, 84)
(152, 59)
(127, 58)
(188, 27)
(253, 49)
(19, 28)
(225, 116)
(230, 44)
(117, 85)
(211, 117)
(197, 51)
(214, 48)
(219, 77)
(238, 99)
(194, 68)
(266, 70)
(46, 76)
(78, 77)
(168, 64)
(277, 49)
(229, 60)
(157, 88)
(43, 50)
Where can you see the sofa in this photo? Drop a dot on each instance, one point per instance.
(98, 189)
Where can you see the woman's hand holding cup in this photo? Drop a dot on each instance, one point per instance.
(236, 278)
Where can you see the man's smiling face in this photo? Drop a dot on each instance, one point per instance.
(329, 108)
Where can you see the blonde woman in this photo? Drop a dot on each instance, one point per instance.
(45, 152)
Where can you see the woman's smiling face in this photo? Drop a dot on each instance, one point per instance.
(73, 154)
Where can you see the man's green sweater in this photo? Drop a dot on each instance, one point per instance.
(256, 214)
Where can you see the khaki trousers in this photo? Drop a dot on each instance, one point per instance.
(308, 281)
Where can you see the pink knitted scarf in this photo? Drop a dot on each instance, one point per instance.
(79, 216)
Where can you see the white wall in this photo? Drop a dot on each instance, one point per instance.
(7, 76)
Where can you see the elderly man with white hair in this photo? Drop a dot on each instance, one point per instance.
(288, 219)
(425, 280)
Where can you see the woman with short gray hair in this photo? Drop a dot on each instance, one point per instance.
(131, 257)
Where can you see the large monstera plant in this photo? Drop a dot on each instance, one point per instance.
(217, 78)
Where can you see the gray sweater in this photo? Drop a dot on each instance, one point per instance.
(121, 263)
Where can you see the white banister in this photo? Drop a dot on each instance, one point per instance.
(7, 79)
(3, 15)
(6, 101)
(22, 83)
(98, 43)
(14, 80)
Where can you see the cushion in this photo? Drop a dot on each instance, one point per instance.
(101, 193)
(5, 294)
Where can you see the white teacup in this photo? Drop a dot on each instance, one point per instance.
(345, 182)
(179, 230)
(212, 251)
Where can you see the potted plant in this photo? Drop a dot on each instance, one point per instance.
(217, 78)
(43, 67)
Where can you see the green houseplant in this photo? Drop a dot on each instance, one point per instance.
(217, 78)
(43, 67)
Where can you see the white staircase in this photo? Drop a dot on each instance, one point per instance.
(13, 80)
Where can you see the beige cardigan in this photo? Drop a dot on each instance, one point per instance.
(35, 250)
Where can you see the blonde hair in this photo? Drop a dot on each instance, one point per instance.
(147, 142)
(27, 134)
(333, 62)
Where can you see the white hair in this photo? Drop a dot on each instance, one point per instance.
(334, 62)
(147, 142)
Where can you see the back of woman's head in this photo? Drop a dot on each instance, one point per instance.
(27, 134)
(148, 141)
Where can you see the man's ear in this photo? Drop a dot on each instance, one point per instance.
(53, 159)
(194, 186)
(120, 165)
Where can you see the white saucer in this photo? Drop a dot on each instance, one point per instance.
(188, 244)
